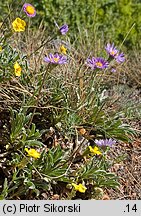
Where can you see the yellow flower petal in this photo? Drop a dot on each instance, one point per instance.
(32, 153)
(75, 186)
(81, 188)
(63, 50)
(18, 69)
(95, 150)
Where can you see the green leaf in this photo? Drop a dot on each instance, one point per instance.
(33, 143)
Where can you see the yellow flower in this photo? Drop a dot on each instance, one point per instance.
(63, 49)
(32, 153)
(18, 69)
(0, 48)
(81, 188)
(19, 25)
(95, 150)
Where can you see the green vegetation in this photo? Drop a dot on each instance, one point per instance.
(111, 19)
(56, 108)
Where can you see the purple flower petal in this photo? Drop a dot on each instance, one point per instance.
(64, 29)
(120, 57)
(113, 70)
(111, 50)
(106, 142)
(91, 63)
(114, 52)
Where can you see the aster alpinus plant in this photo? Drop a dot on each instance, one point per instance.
(60, 100)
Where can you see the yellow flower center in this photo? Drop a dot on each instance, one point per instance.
(99, 64)
(112, 53)
(30, 9)
(56, 59)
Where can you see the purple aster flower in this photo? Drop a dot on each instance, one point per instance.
(64, 29)
(114, 52)
(56, 59)
(106, 142)
(120, 57)
(29, 10)
(101, 63)
(97, 63)
(111, 50)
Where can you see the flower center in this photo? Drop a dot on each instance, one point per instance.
(99, 64)
(18, 69)
(56, 59)
(30, 9)
(112, 52)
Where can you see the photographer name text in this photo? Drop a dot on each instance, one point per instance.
(50, 208)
